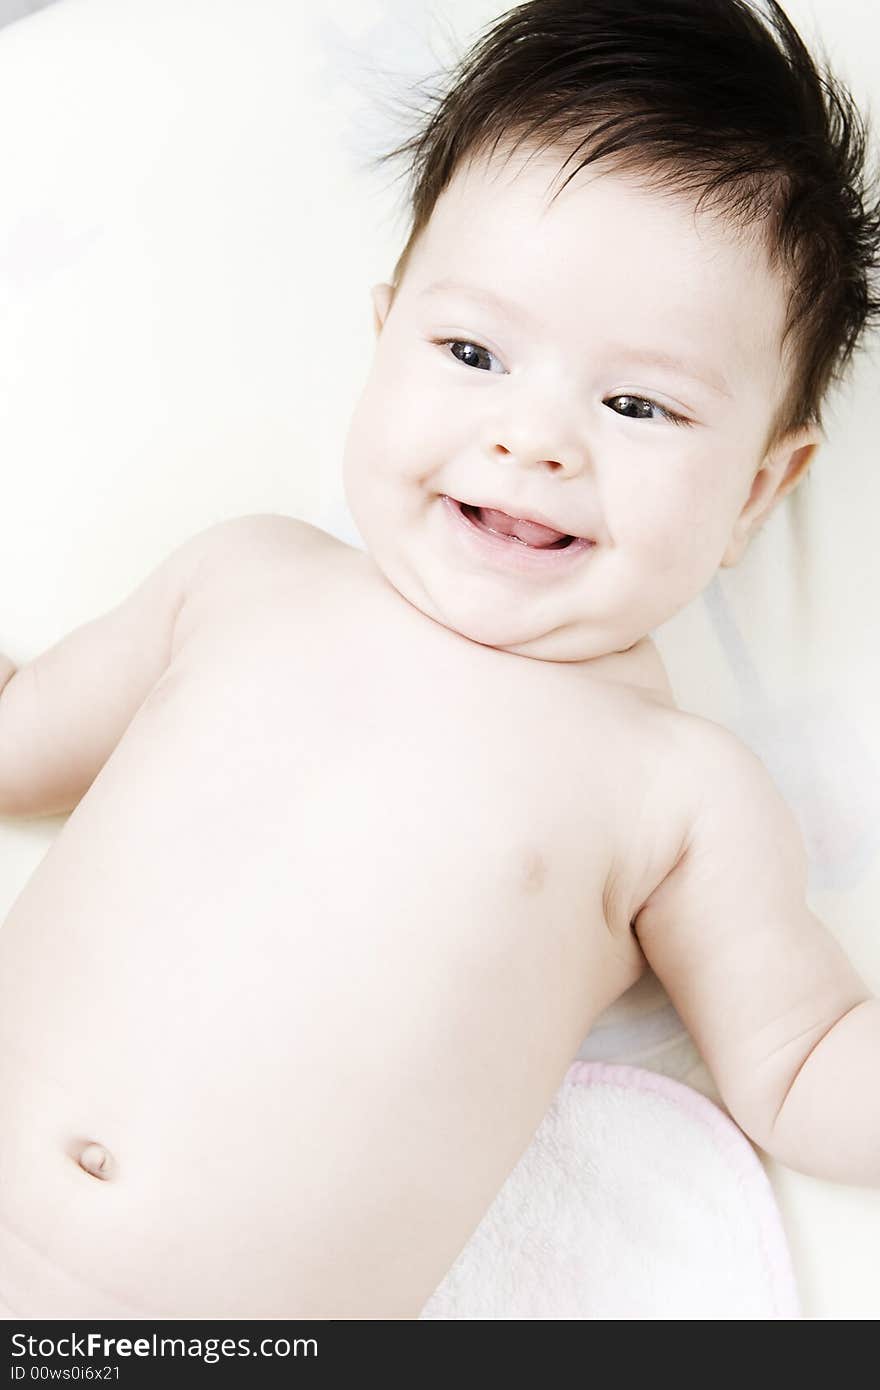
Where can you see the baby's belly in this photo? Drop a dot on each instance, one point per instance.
(263, 999)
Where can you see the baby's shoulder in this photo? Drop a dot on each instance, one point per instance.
(695, 773)
(257, 539)
(254, 544)
(258, 560)
(700, 763)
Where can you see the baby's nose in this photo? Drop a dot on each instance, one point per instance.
(95, 1159)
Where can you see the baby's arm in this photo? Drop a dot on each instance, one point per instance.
(62, 714)
(787, 1027)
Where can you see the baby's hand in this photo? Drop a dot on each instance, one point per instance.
(787, 1027)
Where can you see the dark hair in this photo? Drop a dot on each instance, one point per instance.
(696, 97)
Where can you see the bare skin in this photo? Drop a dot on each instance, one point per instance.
(362, 844)
(242, 1029)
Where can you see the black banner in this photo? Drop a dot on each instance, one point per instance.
(219, 1353)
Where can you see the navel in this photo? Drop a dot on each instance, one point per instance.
(95, 1160)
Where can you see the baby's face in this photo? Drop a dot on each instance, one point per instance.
(549, 405)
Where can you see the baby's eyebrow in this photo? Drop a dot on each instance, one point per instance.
(694, 368)
(488, 297)
(688, 366)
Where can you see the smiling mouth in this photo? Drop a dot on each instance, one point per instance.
(536, 551)
(476, 515)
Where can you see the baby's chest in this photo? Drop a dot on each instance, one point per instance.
(354, 743)
(391, 785)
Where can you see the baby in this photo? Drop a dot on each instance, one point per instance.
(362, 843)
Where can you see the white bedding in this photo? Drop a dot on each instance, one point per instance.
(187, 241)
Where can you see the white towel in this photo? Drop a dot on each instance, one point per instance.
(638, 1198)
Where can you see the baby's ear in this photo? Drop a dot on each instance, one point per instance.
(780, 472)
(382, 296)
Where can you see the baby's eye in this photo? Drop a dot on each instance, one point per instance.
(652, 405)
(471, 354)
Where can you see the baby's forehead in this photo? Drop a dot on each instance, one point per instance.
(545, 185)
(512, 226)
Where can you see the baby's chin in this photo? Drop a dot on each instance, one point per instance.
(454, 612)
(503, 632)
(494, 620)
(559, 646)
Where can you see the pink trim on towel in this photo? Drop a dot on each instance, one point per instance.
(735, 1147)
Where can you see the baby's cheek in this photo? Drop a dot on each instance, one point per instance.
(658, 528)
(696, 523)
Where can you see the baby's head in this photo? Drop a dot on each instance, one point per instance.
(640, 255)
